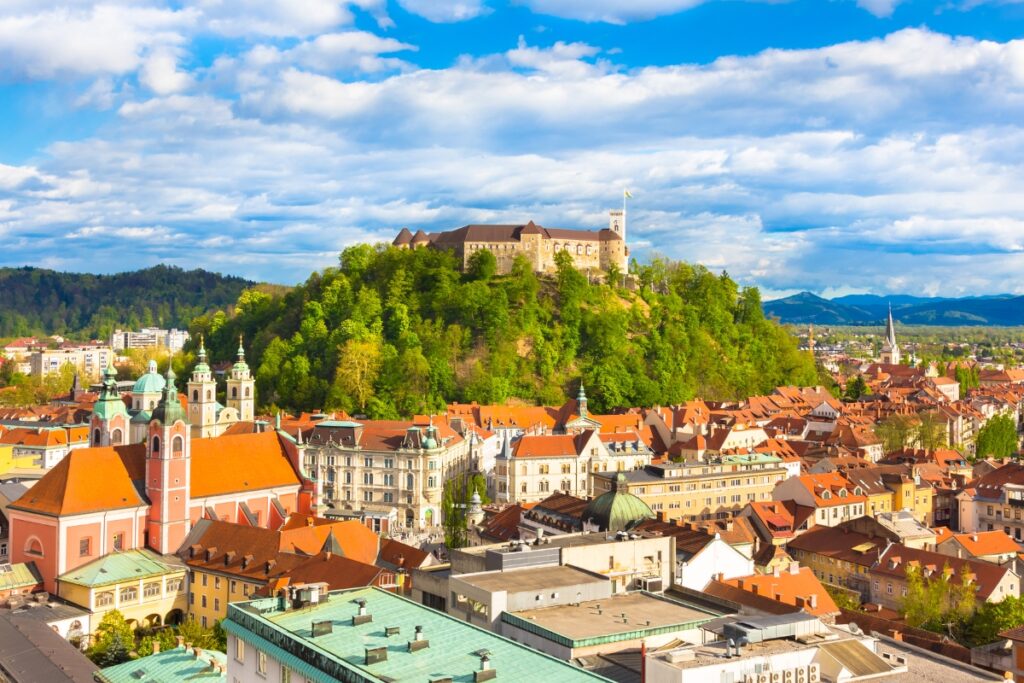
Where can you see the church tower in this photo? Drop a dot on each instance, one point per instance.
(890, 349)
(168, 472)
(202, 398)
(109, 422)
(242, 388)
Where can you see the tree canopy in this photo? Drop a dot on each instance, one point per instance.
(392, 333)
(997, 438)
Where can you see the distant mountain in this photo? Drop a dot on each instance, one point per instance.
(870, 309)
(38, 301)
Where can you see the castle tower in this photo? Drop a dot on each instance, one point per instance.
(168, 472)
(617, 222)
(242, 387)
(202, 398)
(890, 349)
(109, 422)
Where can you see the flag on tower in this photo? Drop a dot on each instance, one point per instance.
(626, 194)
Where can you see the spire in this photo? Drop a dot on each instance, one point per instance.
(170, 410)
(581, 399)
(890, 329)
(241, 350)
(201, 366)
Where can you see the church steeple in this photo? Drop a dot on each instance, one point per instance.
(202, 396)
(581, 399)
(241, 392)
(890, 349)
(109, 421)
(168, 471)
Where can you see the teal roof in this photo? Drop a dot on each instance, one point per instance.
(338, 423)
(169, 666)
(750, 459)
(618, 509)
(20, 575)
(109, 403)
(453, 650)
(170, 410)
(143, 417)
(149, 383)
(119, 566)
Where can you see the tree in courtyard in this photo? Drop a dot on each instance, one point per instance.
(114, 641)
(993, 618)
(998, 438)
(896, 432)
(856, 388)
(930, 432)
(455, 500)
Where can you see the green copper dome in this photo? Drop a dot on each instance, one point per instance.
(151, 382)
(618, 509)
(431, 440)
(201, 366)
(170, 410)
(109, 403)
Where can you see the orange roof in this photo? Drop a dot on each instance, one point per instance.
(826, 489)
(355, 540)
(982, 543)
(942, 533)
(239, 462)
(560, 446)
(109, 478)
(42, 437)
(789, 588)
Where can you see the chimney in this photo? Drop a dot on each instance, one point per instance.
(776, 571)
(181, 640)
(197, 651)
(974, 537)
(813, 601)
(794, 568)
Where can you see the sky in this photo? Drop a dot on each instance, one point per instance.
(835, 146)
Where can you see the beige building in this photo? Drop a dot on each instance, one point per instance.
(390, 464)
(715, 488)
(89, 361)
(540, 465)
(589, 249)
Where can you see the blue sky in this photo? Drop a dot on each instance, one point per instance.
(831, 145)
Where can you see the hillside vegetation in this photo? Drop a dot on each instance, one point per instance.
(393, 333)
(36, 301)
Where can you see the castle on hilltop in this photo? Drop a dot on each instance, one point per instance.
(589, 249)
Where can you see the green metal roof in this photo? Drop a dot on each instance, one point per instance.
(453, 651)
(18, 576)
(151, 382)
(750, 459)
(109, 403)
(617, 510)
(338, 423)
(119, 566)
(169, 410)
(169, 666)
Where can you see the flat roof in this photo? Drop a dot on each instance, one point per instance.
(529, 579)
(176, 664)
(621, 617)
(573, 540)
(30, 652)
(454, 650)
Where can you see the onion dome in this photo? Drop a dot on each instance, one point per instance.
(431, 440)
(240, 363)
(618, 509)
(109, 403)
(169, 410)
(404, 238)
(151, 382)
(201, 366)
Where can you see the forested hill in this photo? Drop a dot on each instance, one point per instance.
(397, 332)
(39, 301)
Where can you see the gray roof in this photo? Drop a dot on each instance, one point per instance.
(31, 652)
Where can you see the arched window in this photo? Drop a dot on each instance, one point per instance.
(33, 546)
(156, 445)
(95, 437)
(410, 482)
(209, 395)
(195, 394)
(248, 391)
(115, 436)
(579, 248)
(177, 445)
(234, 392)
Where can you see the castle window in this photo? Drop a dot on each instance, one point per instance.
(579, 248)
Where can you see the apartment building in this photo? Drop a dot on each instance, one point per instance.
(88, 360)
(714, 488)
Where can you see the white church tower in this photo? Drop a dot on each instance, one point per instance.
(241, 393)
(202, 398)
(890, 349)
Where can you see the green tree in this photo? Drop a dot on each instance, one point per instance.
(937, 602)
(358, 368)
(481, 265)
(113, 641)
(896, 432)
(992, 618)
(931, 431)
(856, 388)
(997, 438)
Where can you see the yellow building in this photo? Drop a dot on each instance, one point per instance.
(838, 556)
(147, 589)
(22, 464)
(698, 490)
(891, 488)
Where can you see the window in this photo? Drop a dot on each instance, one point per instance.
(888, 588)
(105, 599)
(119, 541)
(177, 445)
(129, 594)
(204, 622)
(173, 585)
(389, 463)
(367, 462)
(156, 445)
(367, 496)
(204, 579)
(234, 586)
(216, 604)
(84, 547)
(261, 663)
(410, 481)
(389, 498)
(151, 590)
(286, 674)
(368, 478)
(389, 480)
(216, 582)
(204, 601)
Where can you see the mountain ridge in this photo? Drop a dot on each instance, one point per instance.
(871, 309)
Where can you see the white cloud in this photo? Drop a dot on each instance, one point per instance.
(77, 40)
(880, 8)
(161, 75)
(444, 11)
